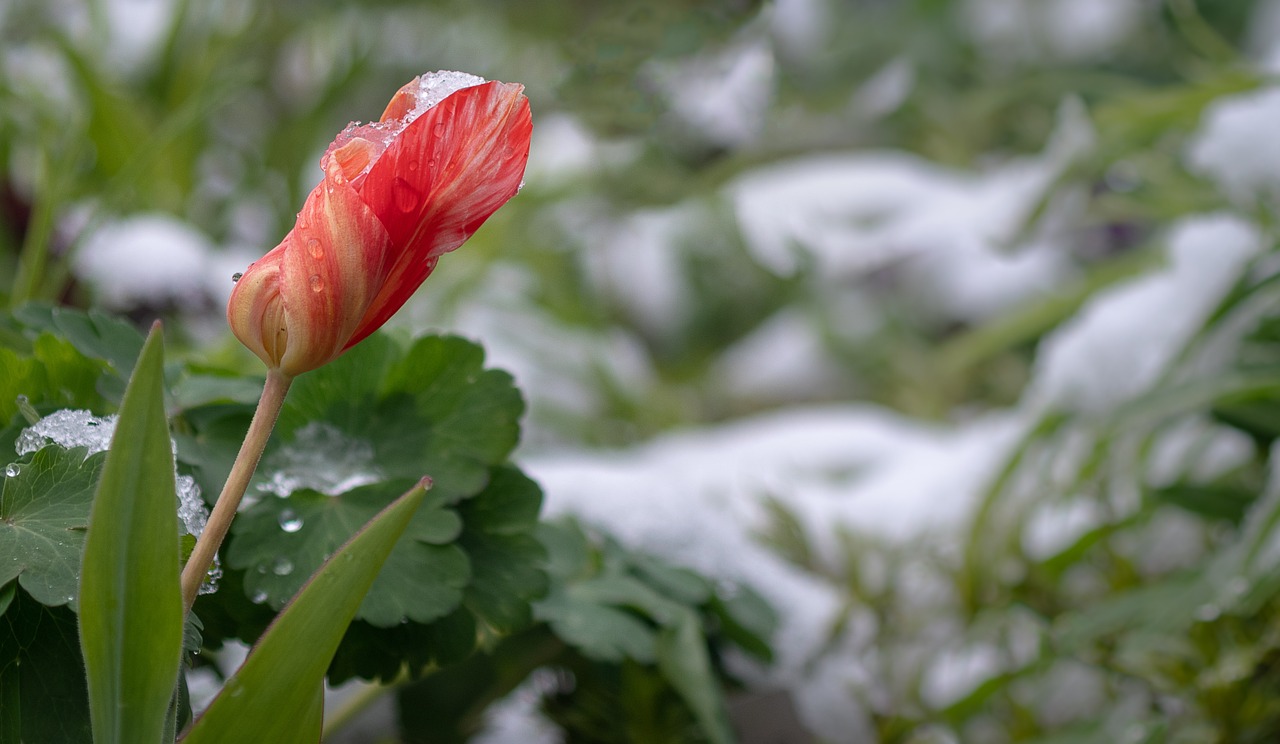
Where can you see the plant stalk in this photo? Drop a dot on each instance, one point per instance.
(255, 441)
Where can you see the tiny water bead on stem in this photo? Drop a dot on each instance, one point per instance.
(397, 194)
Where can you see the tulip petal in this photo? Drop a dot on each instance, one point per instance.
(442, 177)
(335, 260)
(255, 311)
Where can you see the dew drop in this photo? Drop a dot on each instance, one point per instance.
(289, 521)
(317, 250)
(258, 597)
(282, 566)
(317, 284)
(413, 165)
(431, 163)
(439, 129)
(12, 469)
(406, 197)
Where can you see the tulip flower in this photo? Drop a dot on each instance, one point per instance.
(397, 194)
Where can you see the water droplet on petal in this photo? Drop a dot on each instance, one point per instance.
(431, 163)
(289, 521)
(406, 197)
(317, 284)
(413, 165)
(317, 250)
(282, 566)
(12, 469)
(438, 129)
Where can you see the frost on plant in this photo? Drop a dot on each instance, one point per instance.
(320, 458)
(80, 428)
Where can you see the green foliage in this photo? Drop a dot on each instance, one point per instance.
(44, 512)
(469, 562)
(131, 612)
(42, 684)
(626, 648)
(277, 693)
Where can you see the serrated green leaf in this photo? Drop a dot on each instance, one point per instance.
(507, 561)
(681, 651)
(421, 580)
(598, 631)
(130, 601)
(433, 409)
(274, 694)
(42, 685)
(95, 334)
(44, 512)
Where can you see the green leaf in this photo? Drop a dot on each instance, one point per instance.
(95, 334)
(682, 656)
(7, 593)
(54, 374)
(599, 632)
(44, 512)
(1213, 501)
(280, 542)
(747, 620)
(470, 560)
(42, 685)
(274, 694)
(433, 409)
(506, 559)
(130, 603)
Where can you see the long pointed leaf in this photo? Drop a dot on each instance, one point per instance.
(130, 603)
(273, 695)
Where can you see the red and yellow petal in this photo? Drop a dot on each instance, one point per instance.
(443, 176)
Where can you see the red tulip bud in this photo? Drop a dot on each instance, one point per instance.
(397, 194)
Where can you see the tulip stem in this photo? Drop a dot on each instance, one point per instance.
(255, 441)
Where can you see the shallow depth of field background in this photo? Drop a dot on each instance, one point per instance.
(948, 325)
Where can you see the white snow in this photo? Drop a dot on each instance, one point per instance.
(785, 358)
(1120, 343)
(721, 97)
(698, 499)
(145, 259)
(1031, 30)
(635, 261)
(1236, 144)
(850, 214)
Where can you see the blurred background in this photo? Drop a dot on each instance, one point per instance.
(947, 325)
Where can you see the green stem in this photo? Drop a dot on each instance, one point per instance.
(255, 441)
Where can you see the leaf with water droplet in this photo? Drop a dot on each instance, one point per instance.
(422, 579)
(44, 511)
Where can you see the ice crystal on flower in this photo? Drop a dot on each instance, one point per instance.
(320, 458)
(434, 87)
